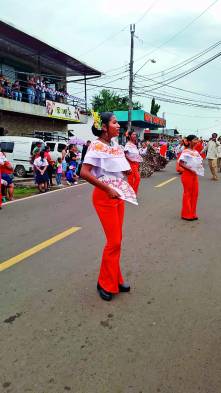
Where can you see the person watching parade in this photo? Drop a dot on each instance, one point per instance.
(212, 155)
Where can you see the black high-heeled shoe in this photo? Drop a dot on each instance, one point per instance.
(124, 287)
(104, 294)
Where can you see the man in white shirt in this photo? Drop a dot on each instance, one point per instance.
(212, 155)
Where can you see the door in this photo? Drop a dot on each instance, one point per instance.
(22, 155)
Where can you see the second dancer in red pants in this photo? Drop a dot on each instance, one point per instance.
(134, 159)
(191, 162)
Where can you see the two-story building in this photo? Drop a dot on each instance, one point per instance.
(33, 85)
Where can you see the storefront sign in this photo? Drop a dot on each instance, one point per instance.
(158, 121)
(63, 111)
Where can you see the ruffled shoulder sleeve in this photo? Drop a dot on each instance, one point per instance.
(109, 158)
(98, 149)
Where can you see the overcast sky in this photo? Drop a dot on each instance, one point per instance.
(81, 27)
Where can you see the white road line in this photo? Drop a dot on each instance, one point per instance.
(43, 194)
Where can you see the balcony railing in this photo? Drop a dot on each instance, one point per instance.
(41, 96)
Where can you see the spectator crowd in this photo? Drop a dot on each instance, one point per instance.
(66, 169)
(34, 90)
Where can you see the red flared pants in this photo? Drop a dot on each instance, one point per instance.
(0, 189)
(111, 214)
(190, 194)
(134, 176)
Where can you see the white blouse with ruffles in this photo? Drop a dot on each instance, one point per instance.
(108, 164)
(193, 161)
(132, 152)
(106, 160)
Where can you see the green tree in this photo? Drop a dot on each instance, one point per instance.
(154, 108)
(108, 101)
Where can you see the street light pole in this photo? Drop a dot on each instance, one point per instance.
(130, 107)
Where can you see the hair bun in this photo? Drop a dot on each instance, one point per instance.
(96, 131)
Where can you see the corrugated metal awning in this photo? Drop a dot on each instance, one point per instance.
(13, 40)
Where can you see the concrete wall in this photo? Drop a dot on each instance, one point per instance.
(22, 107)
(17, 123)
(9, 105)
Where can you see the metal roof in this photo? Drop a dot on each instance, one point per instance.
(16, 42)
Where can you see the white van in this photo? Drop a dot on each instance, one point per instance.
(55, 148)
(18, 150)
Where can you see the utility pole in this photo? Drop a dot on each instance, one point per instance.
(131, 69)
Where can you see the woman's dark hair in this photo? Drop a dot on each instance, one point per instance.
(190, 138)
(42, 155)
(130, 133)
(105, 118)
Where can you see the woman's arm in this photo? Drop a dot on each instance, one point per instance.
(44, 170)
(86, 175)
(37, 168)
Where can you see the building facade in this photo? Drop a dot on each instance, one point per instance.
(145, 124)
(33, 85)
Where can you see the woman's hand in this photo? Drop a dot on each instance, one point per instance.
(112, 193)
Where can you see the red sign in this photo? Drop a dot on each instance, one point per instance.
(158, 121)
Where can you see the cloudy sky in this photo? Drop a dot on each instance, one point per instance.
(97, 32)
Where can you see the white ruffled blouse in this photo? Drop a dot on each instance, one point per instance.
(106, 160)
(132, 152)
(193, 161)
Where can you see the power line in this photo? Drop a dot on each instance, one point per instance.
(160, 98)
(182, 75)
(147, 11)
(180, 89)
(188, 115)
(178, 33)
(178, 102)
(185, 62)
(104, 41)
(121, 30)
(188, 99)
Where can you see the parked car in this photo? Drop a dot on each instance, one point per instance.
(56, 148)
(18, 151)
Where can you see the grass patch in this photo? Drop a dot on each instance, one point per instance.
(21, 192)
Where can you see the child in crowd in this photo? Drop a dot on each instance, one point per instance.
(71, 176)
(58, 167)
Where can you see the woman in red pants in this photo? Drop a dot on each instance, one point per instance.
(134, 158)
(191, 162)
(103, 167)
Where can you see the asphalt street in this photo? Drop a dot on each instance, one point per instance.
(57, 335)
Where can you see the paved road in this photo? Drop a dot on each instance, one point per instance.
(164, 336)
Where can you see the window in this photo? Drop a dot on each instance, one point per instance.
(34, 144)
(7, 147)
(61, 146)
(51, 145)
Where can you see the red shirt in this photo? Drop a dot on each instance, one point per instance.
(48, 157)
(7, 168)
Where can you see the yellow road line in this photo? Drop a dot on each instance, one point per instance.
(166, 182)
(31, 251)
